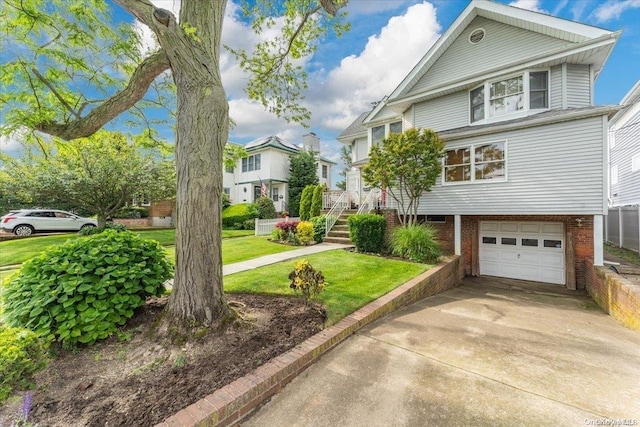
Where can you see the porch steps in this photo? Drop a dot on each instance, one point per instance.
(340, 231)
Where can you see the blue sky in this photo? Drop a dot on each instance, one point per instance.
(387, 38)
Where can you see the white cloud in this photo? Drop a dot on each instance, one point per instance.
(561, 5)
(386, 59)
(533, 5)
(369, 7)
(613, 9)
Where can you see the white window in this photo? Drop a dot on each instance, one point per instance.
(379, 133)
(475, 163)
(635, 163)
(251, 163)
(614, 175)
(324, 171)
(527, 91)
(274, 194)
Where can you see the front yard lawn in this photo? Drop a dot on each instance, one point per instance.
(245, 248)
(19, 250)
(353, 279)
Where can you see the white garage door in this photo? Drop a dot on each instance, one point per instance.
(523, 250)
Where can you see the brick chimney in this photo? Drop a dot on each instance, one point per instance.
(311, 142)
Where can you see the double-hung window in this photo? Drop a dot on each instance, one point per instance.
(527, 91)
(475, 163)
(379, 133)
(251, 163)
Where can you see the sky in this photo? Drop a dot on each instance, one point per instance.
(387, 38)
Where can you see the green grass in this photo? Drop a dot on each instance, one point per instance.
(19, 250)
(630, 257)
(242, 249)
(353, 279)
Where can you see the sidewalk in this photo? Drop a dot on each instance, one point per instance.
(282, 256)
(274, 258)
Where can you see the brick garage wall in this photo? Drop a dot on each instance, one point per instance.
(162, 208)
(233, 402)
(614, 294)
(444, 230)
(133, 222)
(582, 236)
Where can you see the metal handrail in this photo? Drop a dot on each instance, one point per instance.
(368, 205)
(336, 210)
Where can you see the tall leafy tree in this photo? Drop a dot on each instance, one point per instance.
(303, 171)
(98, 174)
(405, 165)
(345, 156)
(56, 81)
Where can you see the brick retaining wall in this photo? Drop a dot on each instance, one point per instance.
(231, 403)
(614, 294)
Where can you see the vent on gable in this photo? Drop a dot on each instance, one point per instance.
(476, 36)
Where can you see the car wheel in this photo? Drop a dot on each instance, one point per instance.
(23, 230)
(87, 226)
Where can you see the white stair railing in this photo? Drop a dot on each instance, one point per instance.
(336, 210)
(373, 198)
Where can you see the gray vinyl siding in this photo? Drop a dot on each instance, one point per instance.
(551, 169)
(503, 44)
(447, 112)
(578, 86)
(627, 137)
(556, 87)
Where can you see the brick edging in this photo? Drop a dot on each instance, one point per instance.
(231, 403)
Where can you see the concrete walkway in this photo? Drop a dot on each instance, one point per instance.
(282, 256)
(488, 353)
(274, 258)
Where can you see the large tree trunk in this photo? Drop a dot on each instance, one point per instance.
(202, 131)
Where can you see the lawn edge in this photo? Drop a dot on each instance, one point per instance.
(235, 401)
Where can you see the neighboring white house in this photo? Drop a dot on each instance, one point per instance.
(267, 169)
(523, 189)
(624, 151)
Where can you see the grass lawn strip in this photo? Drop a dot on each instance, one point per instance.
(354, 280)
(19, 250)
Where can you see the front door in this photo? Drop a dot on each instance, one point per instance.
(257, 192)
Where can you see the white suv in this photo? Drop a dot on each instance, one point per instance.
(28, 221)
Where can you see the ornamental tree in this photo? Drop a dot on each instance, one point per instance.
(98, 174)
(67, 71)
(405, 165)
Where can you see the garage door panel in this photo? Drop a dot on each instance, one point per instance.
(523, 250)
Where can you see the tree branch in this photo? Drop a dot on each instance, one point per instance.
(48, 84)
(138, 85)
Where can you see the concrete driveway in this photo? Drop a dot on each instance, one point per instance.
(490, 352)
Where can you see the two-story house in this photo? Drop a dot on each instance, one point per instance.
(523, 188)
(624, 151)
(266, 170)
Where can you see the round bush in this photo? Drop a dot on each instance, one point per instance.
(319, 227)
(80, 291)
(236, 215)
(304, 232)
(21, 354)
(266, 208)
(367, 232)
(416, 242)
(88, 231)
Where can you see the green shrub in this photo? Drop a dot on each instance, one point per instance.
(416, 242)
(367, 232)
(80, 291)
(306, 280)
(249, 224)
(305, 202)
(88, 231)
(304, 232)
(319, 227)
(316, 201)
(22, 353)
(266, 208)
(288, 231)
(277, 235)
(226, 201)
(238, 214)
(131, 212)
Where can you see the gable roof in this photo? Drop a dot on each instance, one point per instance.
(629, 104)
(355, 129)
(279, 144)
(579, 38)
